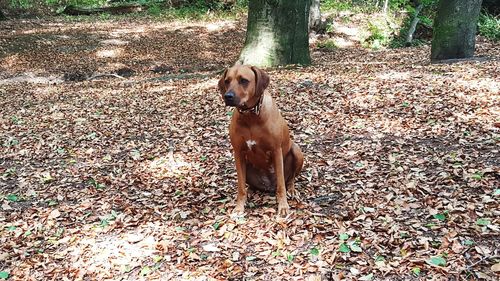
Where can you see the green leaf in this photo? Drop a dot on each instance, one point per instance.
(145, 271)
(344, 248)
(47, 177)
(483, 222)
(416, 270)
(4, 275)
(229, 113)
(441, 217)
(436, 260)
(468, 242)
(344, 236)
(250, 258)
(216, 225)
(496, 192)
(404, 235)
(355, 247)
(477, 176)
(314, 252)
(367, 277)
(406, 104)
(52, 203)
(91, 136)
(290, 257)
(157, 259)
(12, 198)
(135, 154)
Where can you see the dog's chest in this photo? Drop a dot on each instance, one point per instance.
(250, 144)
(257, 152)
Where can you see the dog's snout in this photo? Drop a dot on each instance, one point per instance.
(230, 98)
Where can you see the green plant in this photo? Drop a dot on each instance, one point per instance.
(155, 9)
(489, 26)
(327, 44)
(336, 5)
(378, 34)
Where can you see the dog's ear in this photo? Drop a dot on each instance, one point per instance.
(222, 84)
(262, 80)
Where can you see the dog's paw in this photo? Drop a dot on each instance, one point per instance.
(283, 209)
(239, 209)
(294, 194)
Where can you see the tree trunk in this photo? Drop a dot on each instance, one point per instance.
(413, 24)
(277, 33)
(454, 31)
(314, 15)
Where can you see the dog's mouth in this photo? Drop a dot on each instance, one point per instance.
(233, 101)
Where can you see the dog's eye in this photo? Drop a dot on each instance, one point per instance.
(226, 81)
(243, 81)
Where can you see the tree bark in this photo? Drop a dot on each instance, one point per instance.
(454, 31)
(314, 15)
(413, 24)
(277, 33)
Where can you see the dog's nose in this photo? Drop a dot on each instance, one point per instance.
(229, 96)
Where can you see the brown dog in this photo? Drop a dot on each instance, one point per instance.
(266, 159)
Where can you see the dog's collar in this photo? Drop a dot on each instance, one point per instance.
(254, 109)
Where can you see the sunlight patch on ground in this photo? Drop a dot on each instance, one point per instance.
(394, 75)
(217, 26)
(116, 42)
(342, 43)
(204, 85)
(482, 84)
(127, 31)
(30, 77)
(100, 253)
(171, 165)
(10, 61)
(109, 53)
(353, 33)
(162, 89)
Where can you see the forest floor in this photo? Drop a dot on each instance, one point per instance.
(115, 161)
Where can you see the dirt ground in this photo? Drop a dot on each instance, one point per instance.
(115, 162)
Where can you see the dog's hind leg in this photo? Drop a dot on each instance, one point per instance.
(293, 165)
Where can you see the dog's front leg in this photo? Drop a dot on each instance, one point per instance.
(280, 182)
(241, 171)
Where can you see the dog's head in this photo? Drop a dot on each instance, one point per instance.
(242, 86)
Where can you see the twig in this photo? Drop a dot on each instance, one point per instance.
(105, 75)
(469, 267)
(314, 214)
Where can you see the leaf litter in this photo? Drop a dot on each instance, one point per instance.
(131, 176)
